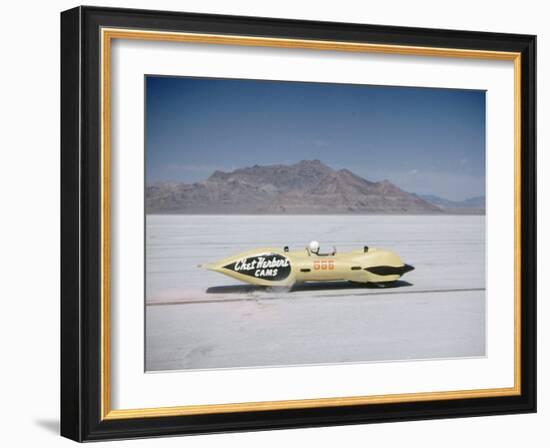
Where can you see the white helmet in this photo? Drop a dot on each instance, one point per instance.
(314, 246)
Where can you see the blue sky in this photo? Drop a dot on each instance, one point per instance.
(429, 141)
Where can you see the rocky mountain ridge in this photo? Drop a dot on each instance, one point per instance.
(306, 187)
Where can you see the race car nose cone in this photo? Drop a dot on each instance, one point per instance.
(210, 266)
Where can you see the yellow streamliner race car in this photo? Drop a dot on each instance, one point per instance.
(274, 267)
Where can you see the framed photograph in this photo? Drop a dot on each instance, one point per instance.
(274, 223)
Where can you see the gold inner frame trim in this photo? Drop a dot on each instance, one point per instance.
(107, 35)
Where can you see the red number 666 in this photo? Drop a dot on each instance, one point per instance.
(323, 265)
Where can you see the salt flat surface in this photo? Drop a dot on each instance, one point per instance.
(198, 319)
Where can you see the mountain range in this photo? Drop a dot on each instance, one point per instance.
(307, 187)
(475, 205)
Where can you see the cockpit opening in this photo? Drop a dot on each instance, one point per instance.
(314, 247)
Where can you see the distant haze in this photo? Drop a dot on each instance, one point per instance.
(423, 140)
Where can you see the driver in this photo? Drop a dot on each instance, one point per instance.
(314, 247)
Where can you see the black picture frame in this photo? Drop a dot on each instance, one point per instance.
(81, 382)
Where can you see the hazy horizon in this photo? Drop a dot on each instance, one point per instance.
(424, 140)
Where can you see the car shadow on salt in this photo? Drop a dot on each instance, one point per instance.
(320, 286)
